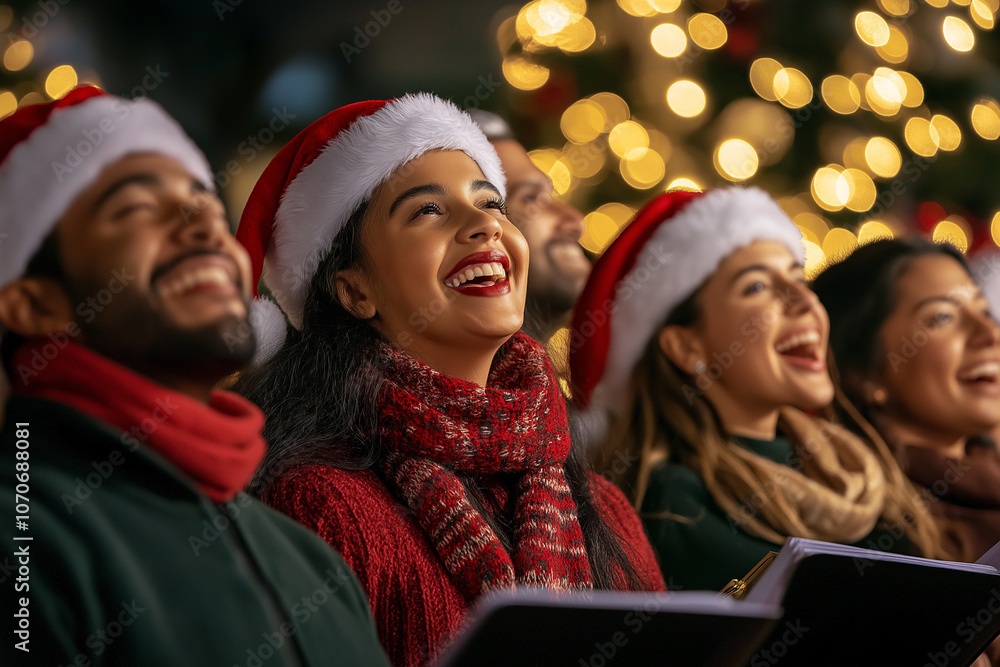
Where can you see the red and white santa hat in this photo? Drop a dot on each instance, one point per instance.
(313, 186)
(671, 246)
(50, 153)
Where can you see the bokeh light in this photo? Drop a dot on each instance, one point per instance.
(668, 40)
(736, 160)
(686, 98)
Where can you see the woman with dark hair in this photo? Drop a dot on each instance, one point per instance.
(696, 330)
(918, 353)
(409, 424)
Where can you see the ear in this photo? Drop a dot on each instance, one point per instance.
(682, 346)
(34, 307)
(354, 293)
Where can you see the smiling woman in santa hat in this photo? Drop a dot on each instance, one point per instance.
(409, 423)
(698, 333)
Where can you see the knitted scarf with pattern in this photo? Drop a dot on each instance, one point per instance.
(433, 425)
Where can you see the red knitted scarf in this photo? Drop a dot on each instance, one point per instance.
(433, 425)
(218, 445)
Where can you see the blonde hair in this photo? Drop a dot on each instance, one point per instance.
(665, 417)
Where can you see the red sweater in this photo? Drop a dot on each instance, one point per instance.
(416, 606)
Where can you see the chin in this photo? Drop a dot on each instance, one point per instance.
(814, 398)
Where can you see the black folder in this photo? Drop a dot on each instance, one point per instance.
(866, 608)
(688, 629)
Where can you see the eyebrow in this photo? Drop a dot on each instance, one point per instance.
(760, 267)
(978, 294)
(150, 179)
(437, 189)
(143, 178)
(532, 184)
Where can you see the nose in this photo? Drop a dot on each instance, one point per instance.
(480, 225)
(798, 298)
(986, 331)
(569, 220)
(200, 220)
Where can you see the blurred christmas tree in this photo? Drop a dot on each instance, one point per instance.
(864, 118)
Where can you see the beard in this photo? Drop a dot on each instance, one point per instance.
(139, 336)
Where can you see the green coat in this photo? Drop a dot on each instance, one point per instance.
(129, 564)
(705, 548)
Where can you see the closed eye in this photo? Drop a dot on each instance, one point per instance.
(938, 319)
(428, 208)
(497, 203)
(132, 208)
(754, 288)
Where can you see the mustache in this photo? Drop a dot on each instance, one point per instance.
(162, 270)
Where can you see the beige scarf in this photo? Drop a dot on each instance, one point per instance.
(839, 493)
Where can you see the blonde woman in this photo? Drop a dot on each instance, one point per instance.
(698, 333)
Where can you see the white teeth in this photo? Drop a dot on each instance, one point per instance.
(804, 338)
(493, 269)
(987, 369)
(209, 274)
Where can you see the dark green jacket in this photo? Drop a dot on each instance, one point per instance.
(706, 548)
(129, 564)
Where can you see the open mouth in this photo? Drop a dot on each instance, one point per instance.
(984, 374)
(568, 257)
(202, 273)
(486, 274)
(481, 274)
(802, 349)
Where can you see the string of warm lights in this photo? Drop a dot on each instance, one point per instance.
(870, 87)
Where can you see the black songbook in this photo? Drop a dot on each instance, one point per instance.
(536, 627)
(849, 606)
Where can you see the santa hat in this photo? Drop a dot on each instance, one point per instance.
(672, 246)
(313, 186)
(50, 153)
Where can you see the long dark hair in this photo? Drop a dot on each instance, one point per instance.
(320, 394)
(859, 293)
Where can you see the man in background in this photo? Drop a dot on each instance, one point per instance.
(558, 268)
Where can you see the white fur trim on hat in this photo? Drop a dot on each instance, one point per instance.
(43, 174)
(682, 254)
(269, 328)
(320, 200)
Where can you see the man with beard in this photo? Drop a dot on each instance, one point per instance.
(126, 538)
(558, 268)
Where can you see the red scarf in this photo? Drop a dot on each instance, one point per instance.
(218, 445)
(432, 424)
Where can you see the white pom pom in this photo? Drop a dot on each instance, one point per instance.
(269, 327)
